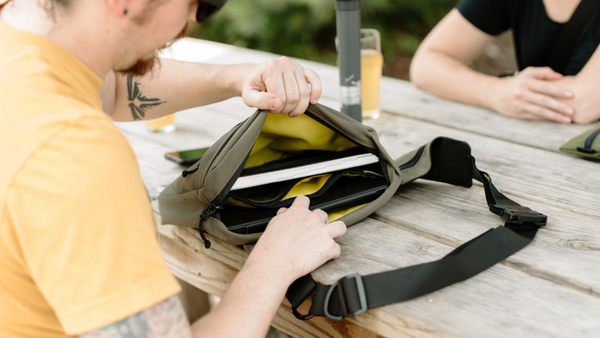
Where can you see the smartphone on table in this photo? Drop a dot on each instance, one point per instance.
(186, 157)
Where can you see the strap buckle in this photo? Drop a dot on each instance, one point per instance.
(348, 299)
(518, 215)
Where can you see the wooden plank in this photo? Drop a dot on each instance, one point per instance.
(402, 98)
(468, 309)
(423, 106)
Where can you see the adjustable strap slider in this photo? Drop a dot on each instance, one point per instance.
(517, 214)
(352, 297)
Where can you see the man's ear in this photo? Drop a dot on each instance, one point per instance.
(194, 9)
(118, 7)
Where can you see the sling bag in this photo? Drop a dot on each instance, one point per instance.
(586, 144)
(203, 197)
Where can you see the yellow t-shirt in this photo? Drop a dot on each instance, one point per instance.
(78, 248)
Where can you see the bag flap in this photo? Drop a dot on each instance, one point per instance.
(586, 144)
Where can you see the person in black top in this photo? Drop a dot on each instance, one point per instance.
(536, 91)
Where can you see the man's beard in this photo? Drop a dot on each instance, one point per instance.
(142, 67)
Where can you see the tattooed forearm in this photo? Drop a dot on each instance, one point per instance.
(164, 320)
(138, 103)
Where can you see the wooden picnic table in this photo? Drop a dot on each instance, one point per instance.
(549, 289)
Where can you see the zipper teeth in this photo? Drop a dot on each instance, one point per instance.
(413, 160)
(221, 197)
(590, 140)
(314, 117)
(214, 159)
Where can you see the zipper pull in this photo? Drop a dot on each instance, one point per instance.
(187, 172)
(204, 216)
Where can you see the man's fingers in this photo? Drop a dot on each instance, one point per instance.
(304, 91)
(322, 215)
(549, 88)
(281, 211)
(292, 92)
(335, 251)
(301, 202)
(549, 102)
(275, 85)
(316, 88)
(262, 100)
(336, 229)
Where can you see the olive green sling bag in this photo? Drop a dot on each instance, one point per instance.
(205, 197)
(586, 144)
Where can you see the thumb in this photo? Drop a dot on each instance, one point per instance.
(261, 100)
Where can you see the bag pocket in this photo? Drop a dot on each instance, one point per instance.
(250, 210)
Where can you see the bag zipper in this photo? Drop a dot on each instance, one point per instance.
(587, 146)
(314, 117)
(208, 211)
(216, 205)
(367, 148)
(413, 161)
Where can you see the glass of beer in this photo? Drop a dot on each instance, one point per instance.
(371, 65)
(165, 124)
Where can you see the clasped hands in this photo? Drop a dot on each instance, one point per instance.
(539, 93)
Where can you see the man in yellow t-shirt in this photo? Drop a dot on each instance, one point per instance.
(78, 252)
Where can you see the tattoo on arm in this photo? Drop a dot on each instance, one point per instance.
(138, 103)
(164, 320)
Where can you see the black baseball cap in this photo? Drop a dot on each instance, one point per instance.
(206, 8)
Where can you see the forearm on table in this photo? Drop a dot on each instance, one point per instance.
(449, 78)
(174, 86)
(248, 306)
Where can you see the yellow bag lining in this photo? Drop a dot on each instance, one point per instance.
(308, 186)
(280, 139)
(334, 216)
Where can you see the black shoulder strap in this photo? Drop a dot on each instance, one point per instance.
(443, 160)
(566, 41)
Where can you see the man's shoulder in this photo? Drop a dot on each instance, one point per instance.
(80, 156)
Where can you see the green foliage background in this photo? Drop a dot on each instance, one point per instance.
(306, 28)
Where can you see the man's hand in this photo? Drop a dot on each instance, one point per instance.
(281, 86)
(297, 241)
(534, 94)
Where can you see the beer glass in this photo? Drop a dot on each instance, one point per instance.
(371, 65)
(165, 124)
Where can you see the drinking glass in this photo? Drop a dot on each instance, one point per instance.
(165, 124)
(371, 65)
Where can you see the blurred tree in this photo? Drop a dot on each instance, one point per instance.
(306, 28)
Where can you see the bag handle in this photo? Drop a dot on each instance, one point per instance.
(445, 160)
(567, 39)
